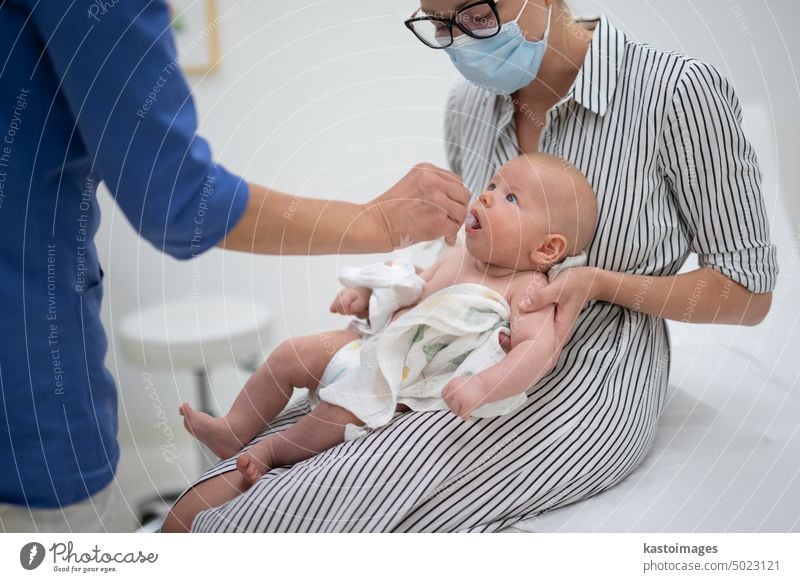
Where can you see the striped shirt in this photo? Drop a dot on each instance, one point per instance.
(658, 135)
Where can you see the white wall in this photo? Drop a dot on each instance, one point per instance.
(753, 42)
(335, 98)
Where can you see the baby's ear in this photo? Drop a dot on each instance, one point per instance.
(551, 250)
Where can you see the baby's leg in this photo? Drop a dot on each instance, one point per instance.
(297, 362)
(320, 430)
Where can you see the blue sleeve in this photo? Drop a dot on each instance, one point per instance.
(117, 64)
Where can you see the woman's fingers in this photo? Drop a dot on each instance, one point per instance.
(566, 316)
(562, 331)
(536, 300)
(505, 342)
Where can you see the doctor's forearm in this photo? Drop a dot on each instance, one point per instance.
(277, 223)
(701, 296)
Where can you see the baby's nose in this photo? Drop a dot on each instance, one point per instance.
(486, 198)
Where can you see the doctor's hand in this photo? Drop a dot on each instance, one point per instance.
(426, 204)
(570, 291)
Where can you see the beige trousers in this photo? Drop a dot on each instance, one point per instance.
(94, 514)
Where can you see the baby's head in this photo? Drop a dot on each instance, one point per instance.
(535, 212)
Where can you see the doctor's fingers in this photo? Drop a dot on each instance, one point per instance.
(428, 170)
(451, 186)
(455, 213)
(433, 178)
(455, 209)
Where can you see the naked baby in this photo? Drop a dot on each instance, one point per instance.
(437, 347)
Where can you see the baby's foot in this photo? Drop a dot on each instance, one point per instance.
(212, 432)
(254, 463)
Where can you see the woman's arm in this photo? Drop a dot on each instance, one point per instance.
(701, 296)
(426, 204)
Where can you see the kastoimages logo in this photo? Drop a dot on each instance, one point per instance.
(31, 555)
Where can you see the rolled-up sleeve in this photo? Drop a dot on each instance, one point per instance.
(133, 111)
(716, 179)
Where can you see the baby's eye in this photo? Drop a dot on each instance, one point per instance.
(511, 198)
(490, 187)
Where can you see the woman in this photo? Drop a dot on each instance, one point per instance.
(98, 95)
(658, 135)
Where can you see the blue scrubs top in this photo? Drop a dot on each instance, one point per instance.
(89, 91)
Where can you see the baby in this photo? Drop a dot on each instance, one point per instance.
(439, 351)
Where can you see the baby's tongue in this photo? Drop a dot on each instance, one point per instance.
(471, 221)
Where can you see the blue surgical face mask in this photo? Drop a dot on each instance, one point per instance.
(505, 62)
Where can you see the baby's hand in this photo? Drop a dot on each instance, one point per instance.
(352, 301)
(464, 394)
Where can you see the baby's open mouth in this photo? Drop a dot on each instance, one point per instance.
(472, 223)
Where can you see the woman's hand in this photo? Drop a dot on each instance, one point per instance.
(352, 301)
(426, 204)
(570, 291)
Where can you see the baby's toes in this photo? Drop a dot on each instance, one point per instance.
(247, 468)
(187, 413)
(252, 474)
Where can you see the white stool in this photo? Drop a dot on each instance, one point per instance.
(195, 335)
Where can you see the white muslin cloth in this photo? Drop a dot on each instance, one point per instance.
(453, 332)
(393, 287)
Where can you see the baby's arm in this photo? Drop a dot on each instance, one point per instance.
(532, 356)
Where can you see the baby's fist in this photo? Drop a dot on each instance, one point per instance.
(464, 394)
(352, 301)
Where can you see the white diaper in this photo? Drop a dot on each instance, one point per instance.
(346, 359)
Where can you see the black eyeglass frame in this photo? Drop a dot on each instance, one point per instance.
(450, 22)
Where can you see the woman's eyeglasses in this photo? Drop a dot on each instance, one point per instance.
(478, 20)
